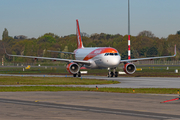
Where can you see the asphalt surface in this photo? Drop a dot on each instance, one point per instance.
(126, 82)
(87, 106)
(93, 105)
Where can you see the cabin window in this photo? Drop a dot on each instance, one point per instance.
(106, 54)
(111, 54)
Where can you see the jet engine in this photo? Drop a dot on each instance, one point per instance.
(73, 68)
(129, 68)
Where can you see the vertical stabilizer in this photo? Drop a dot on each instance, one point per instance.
(79, 40)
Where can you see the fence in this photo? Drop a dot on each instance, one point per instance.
(34, 64)
(157, 62)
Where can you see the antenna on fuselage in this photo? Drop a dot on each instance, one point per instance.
(129, 43)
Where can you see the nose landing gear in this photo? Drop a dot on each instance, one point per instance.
(113, 73)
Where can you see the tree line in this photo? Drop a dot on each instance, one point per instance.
(145, 44)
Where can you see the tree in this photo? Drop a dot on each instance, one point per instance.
(165, 47)
(20, 37)
(152, 51)
(17, 49)
(134, 54)
(5, 34)
(108, 36)
(65, 50)
(141, 46)
(83, 34)
(94, 36)
(146, 33)
(124, 55)
(178, 32)
(101, 36)
(48, 37)
(143, 51)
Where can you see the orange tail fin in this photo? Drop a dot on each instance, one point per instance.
(79, 40)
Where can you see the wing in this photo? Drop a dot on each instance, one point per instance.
(54, 59)
(61, 52)
(149, 58)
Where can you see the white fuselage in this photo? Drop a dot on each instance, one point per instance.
(100, 57)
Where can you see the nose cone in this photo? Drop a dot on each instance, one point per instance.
(114, 61)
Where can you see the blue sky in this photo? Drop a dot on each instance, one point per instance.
(33, 18)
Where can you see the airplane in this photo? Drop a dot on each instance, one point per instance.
(94, 58)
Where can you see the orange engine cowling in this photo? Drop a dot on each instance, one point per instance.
(129, 68)
(73, 68)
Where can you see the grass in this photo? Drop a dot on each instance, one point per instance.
(113, 90)
(8, 80)
(142, 90)
(34, 70)
(147, 71)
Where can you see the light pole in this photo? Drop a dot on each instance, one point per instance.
(129, 37)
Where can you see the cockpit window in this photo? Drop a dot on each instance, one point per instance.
(106, 54)
(111, 54)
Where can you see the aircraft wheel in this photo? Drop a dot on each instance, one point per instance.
(74, 75)
(116, 74)
(112, 74)
(79, 74)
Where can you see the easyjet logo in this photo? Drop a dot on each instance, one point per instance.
(78, 37)
(97, 51)
(79, 40)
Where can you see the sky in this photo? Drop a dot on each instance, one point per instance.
(34, 18)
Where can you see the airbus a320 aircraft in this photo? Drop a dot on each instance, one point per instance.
(95, 57)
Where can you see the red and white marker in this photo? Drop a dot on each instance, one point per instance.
(129, 47)
(129, 43)
(170, 100)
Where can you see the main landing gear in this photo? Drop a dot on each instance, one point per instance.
(113, 73)
(77, 74)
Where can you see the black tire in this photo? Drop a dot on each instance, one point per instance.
(74, 75)
(79, 74)
(116, 74)
(112, 74)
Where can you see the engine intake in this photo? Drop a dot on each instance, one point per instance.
(129, 68)
(73, 68)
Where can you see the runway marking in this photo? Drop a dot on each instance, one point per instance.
(93, 109)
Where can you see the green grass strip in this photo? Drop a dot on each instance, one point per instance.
(51, 81)
(114, 90)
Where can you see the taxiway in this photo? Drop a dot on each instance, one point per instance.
(86, 106)
(126, 82)
(93, 105)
